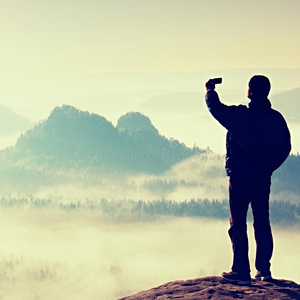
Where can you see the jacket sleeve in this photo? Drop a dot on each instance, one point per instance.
(226, 115)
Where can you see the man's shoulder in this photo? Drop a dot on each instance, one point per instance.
(276, 114)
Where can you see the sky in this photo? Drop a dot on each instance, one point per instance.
(86, 36)
(54, 52)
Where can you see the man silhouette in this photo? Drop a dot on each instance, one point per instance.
(257, 143)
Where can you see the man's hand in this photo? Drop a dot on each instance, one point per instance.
(210, 85)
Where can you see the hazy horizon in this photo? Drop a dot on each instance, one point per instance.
(108, 57)
(175, 112)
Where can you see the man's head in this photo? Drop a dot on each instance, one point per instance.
(259, 87)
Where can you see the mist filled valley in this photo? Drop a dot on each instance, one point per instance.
(112, 175)
(61, 254)
(94, 210)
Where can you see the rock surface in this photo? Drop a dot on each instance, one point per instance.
(218, 288)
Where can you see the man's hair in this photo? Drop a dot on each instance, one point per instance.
(260, 86)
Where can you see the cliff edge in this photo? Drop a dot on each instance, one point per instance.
(217, 288)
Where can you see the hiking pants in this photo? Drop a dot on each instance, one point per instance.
(242, 191)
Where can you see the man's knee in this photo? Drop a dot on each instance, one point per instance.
(262, 223)
(261, 217)
(262, 230)
(237, 229)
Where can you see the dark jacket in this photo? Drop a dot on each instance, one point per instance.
(258, 139)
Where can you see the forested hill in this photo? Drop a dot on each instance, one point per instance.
(73, 138)
(72, 144)
(288, 104)
(287, 177)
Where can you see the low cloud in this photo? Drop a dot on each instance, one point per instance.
(48, 253)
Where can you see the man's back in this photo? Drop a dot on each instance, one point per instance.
(258, 138)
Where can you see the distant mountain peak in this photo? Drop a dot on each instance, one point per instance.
(68, 132)
(71, 137)
(67, 110)
(11, 122)
(135, 121)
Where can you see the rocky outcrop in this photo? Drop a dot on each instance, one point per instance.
(218, 288)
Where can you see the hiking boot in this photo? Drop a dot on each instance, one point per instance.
(237, 278)
(264, 275)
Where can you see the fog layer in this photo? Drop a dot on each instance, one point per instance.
(56, 254)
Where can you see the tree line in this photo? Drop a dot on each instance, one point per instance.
(126, 210)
